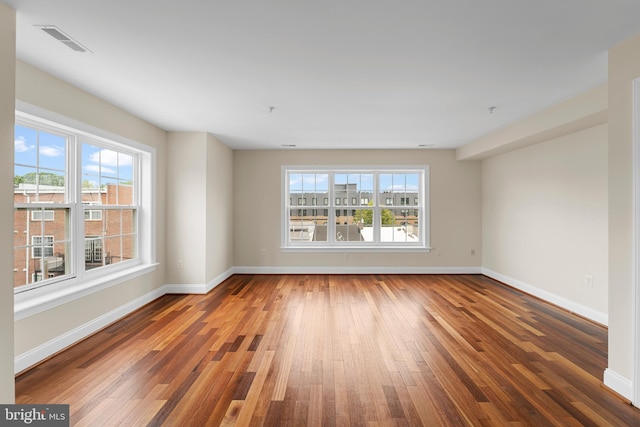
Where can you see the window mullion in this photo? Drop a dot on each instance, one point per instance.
(376, 222)
(331, 214)
(77, 213)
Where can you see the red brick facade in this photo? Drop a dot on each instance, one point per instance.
(41, 245)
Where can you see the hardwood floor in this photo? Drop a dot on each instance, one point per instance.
(340, 350)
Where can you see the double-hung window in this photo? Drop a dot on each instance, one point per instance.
(77, 205)
(373, 208)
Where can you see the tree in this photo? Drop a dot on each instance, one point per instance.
(365, 216)
(387, 217)
(44, 178)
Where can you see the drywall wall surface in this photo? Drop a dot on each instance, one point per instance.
(219, 216)
(454, 215)
(545, 217)
(624, 67)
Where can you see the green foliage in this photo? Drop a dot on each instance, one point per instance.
(365, 216)
(387, 217)
(45, 178)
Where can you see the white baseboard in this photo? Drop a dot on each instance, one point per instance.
(199, 288)
(616, 382)
(356, 270)
(51, 347)
(565, 303)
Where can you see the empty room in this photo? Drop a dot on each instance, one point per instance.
(320, 213)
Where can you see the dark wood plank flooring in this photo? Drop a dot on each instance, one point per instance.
(325, 350)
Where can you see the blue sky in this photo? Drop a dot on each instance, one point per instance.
(48, 151)
(319, 183)
(51, 150)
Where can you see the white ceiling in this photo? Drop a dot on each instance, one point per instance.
(340, 73)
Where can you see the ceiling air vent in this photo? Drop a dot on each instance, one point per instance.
(55, 32)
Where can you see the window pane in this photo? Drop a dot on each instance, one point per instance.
(350, 224)
(125, 168)
(26, 146)
(306, 189)
(93, 254)
(307, 225)
(354, 189)
(109, 190)
(107, 176)
(363, 221)
(41, 247)
(39, 165)
(110, 236)
(399, 225)
(113, 250)
(400, 189)
(52, 152)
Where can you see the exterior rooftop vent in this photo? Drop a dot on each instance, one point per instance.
(55, 32)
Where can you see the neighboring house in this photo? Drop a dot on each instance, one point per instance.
(41, 235)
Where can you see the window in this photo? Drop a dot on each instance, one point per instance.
(372, 220)
(76, 204)
(92, 214)
(41, 246)
(42, 215)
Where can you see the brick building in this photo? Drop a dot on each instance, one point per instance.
(42, 235)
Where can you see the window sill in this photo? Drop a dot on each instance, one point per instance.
(37, 300)
(377, 248)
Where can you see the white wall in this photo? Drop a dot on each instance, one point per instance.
(545, 220)
(199, 211)
(7, 102)
(52, 327)
(624, 67)
(220, 217)
(186, 199)
(455, 211)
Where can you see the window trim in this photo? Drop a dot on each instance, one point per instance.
(35, 300)
(378, 204)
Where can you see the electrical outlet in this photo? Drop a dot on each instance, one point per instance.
(588, 280)
(263, 252)
(473, 252)
(180, 264)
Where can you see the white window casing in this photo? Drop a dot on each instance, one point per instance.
(134, 238)
(369, 208)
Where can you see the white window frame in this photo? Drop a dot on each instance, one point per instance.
(30, 300)
(378, 205)
(41, 213)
